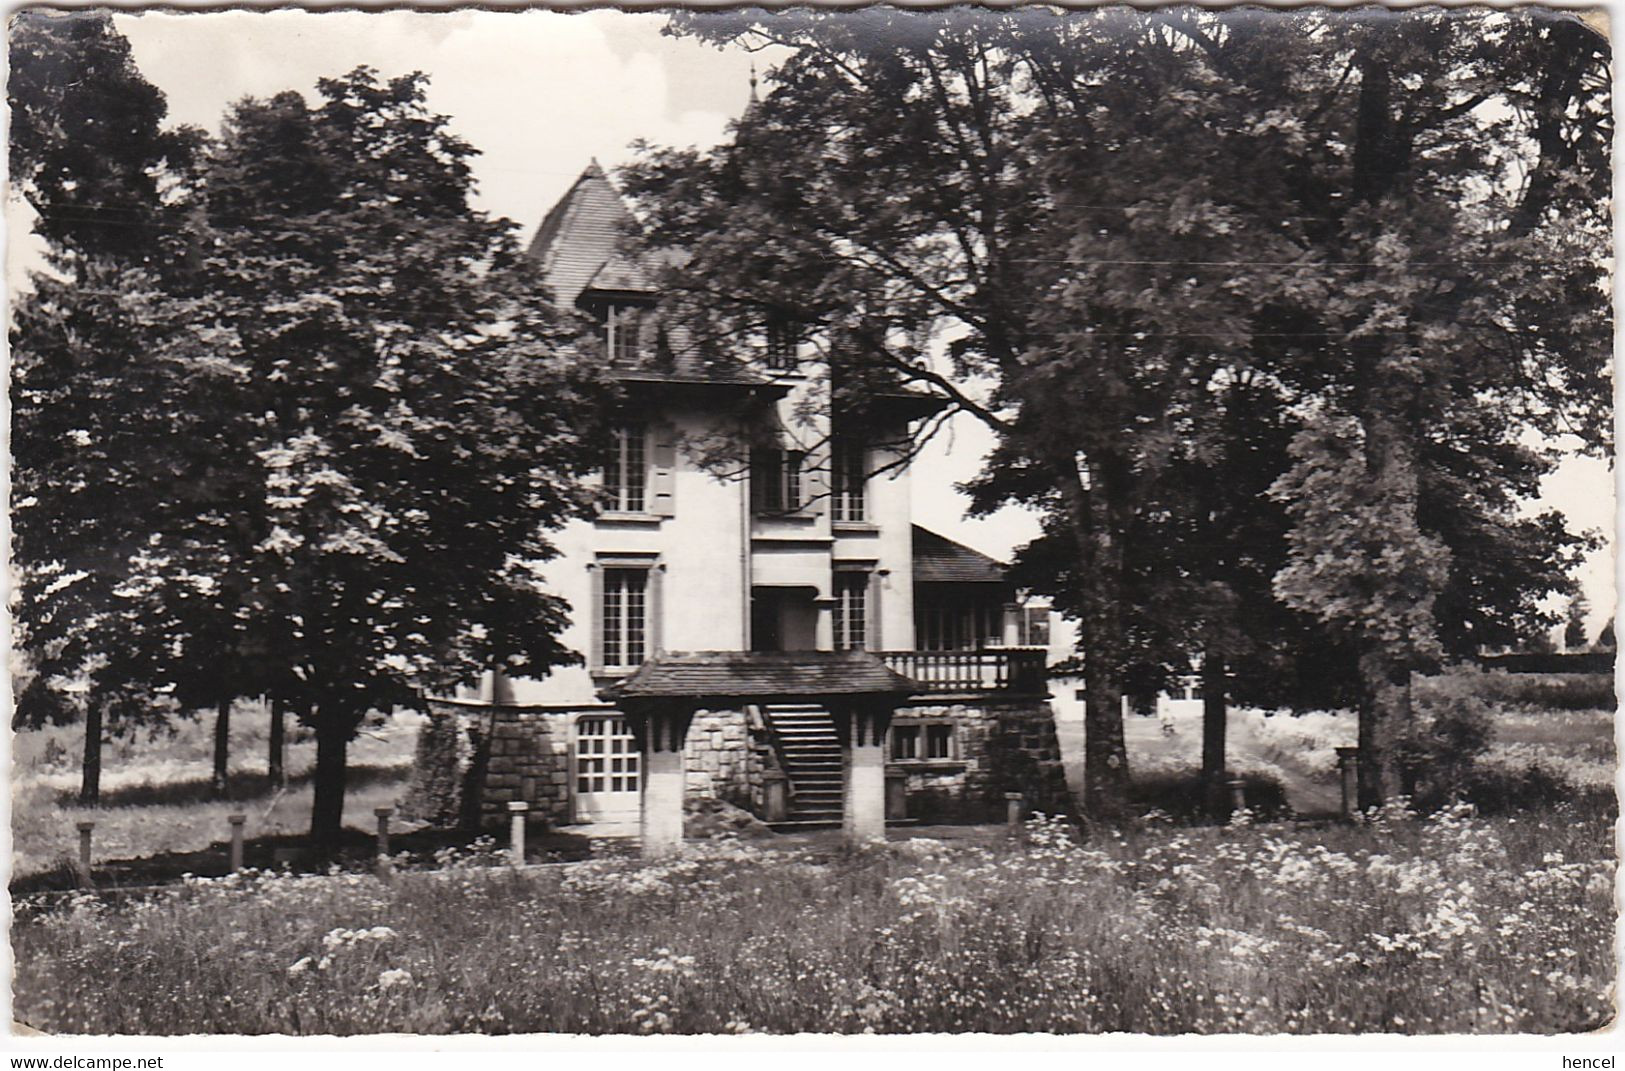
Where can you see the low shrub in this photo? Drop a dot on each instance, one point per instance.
(1180, 796)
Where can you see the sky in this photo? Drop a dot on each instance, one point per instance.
(543, 93)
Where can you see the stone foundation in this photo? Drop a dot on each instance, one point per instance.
(473, 760)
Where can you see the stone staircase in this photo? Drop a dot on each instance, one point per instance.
(812, 761)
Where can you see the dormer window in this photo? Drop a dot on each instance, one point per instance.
(781, 342)
(623, 331)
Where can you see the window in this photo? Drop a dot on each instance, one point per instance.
(905, 742)
(959, 627)
(623, 328)
(625, 617)
(851, 611)
(781, 342)
(626, 471)
(776, 480)
(930, 741)
(1033, 626)
(849, 478)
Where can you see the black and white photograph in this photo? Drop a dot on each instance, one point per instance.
(970, 521)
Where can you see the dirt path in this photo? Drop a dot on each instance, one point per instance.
(1308, 790)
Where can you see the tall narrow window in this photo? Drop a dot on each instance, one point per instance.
(848, 480)
(781, 342)
(776, 480)
(626, 470)
(851, 611)
(623, 327)
(626, 617)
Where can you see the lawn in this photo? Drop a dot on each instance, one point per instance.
(155, 789)
(1449, 924)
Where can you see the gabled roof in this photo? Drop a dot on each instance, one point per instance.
(939, 560)
(582, 234)
(749, 675)
(583, 246)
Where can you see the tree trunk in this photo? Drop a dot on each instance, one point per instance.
(1384, 716)
(276, 761)
(1105, 755)
(222, 749)
(90, 778)
(1215, 714)
(333, 733)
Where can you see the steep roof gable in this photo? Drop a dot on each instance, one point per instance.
(579, 243)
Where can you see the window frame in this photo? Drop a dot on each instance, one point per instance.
(628, 486)
(850, 590)
(919, 731)
(788, 474)
(613, 634)
(848, 481)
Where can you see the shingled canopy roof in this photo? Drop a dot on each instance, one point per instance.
(749, 675)
(939, 560)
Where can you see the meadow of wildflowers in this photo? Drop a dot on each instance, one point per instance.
(1454, 923)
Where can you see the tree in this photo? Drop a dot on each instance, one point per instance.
(1459, 188)
(106, 183)
(412, 415)
(1574, 625)
(1128, 207)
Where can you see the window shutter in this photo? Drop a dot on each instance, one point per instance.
(663, 470)
(815, 484)
(871, 609)
(595, 650)
(654, 607)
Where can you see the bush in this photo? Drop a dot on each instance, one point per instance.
(1180, 796)
(1456, 728)
(1548, 691)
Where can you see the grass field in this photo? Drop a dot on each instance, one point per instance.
(1455, 923)
(1451, 924)
(155, 790)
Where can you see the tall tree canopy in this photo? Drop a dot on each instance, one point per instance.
(317, 457)
(1392, 222)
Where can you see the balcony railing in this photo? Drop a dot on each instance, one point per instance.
(996, 669)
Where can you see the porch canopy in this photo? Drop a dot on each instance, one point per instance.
(702, 679)
(660, 699)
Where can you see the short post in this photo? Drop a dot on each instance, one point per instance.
(896, 796)
(775, 796)
(1348, 766)
(85, 829)
(236, 821)
(1013, 802)
(382, 814)
(1238, 794)
(516, 820)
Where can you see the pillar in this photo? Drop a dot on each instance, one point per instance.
(661, 732)
(518, 813)
(775, 796)
(1348, 765)
(236, 821)
(862, 731)
(824, 628)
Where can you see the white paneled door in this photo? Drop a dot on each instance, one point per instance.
(607, 773)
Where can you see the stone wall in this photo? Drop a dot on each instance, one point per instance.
(724, 758)
(474, 760)
(1002, 747)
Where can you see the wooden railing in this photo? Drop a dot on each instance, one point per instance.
(995, 669)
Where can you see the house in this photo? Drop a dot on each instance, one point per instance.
(755, 574)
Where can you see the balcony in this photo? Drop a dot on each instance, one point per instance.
(994, 670)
